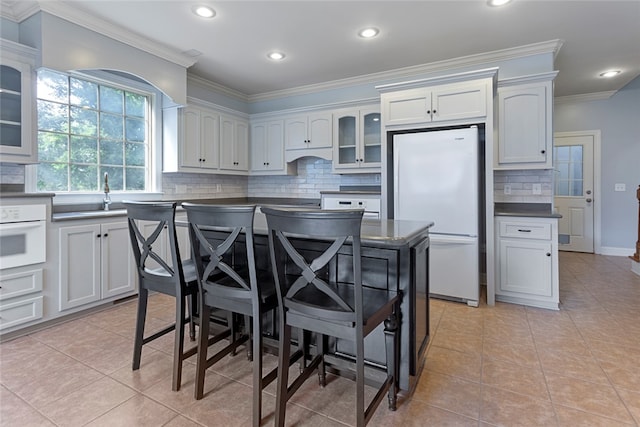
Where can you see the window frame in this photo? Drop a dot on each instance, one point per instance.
(118, 80)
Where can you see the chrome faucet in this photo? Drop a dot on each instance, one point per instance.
(107, 199)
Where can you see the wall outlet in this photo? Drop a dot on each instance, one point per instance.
(620, 187)
(537, 188)
(507, 189)
(218, 188)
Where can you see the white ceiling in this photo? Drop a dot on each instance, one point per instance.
(320, 41)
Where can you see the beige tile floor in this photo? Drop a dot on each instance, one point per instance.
(486, 366)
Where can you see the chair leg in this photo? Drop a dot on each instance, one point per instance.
(391, 345)
(249, 331)
(284, 348)
(143, 295)
(203, 345)
(256, 344)
(302, 346)
(322, 374)
(360, 408)
(191, 310)
(233, 327)
(178, 347)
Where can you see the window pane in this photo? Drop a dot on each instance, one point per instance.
(84, 150)
(53, 147)
(135, 104)
(53, 116)
(84, 178)
(53, 86)
(576, 171)
(52, 176)
(111, 100)
(576, 188)
(84, 93)
(135, 179)
(562, 188)
(134, 154)
(135, 130)
(111, 152)
(111, 126)
(115, 178)
(84, 122)
(576, 153)
(563, 170)
(562, 154)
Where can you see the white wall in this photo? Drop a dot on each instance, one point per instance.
(618, 119)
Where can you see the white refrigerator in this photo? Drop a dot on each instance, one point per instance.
(435, 177)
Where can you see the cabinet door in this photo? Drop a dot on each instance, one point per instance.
(209, 139)
(319, 131)
(18, 107)
(370, 139)
(406, 106)
(259, 146)
(79, 265)
(522, 126)
(117, 264)
(295, 135)
(459, 101)
(346, 136)
(190, 144)
(275, 145)
(525, 268)
(234, 144)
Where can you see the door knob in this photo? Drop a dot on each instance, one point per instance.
(589, 200)
(588, 191)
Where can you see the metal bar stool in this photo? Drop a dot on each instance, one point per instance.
(229, 280)
(164, 273)
(315, 297)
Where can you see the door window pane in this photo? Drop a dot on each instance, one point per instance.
(568, 170)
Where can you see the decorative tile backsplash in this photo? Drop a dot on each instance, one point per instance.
(521, 183)
(11, 173)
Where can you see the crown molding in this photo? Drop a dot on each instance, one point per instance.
(585, 97)
(531, 78)
(552, 46)
(18, 11)
(223, 90)
(114, 31)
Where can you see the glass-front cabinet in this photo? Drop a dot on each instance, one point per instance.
(17, 103)
(357, 141)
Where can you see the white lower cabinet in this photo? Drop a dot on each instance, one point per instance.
(527, 261)
(95, 263)
(20, 296)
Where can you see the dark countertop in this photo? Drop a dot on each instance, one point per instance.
(22, 195)
(539, 210)
(94, 211)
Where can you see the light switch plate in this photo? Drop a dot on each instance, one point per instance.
(507, 189)
(620, 187)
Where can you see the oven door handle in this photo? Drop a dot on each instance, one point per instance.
(20, 225)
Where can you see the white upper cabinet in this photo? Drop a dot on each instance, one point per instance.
(191, 139)
(357, 141)
(308, 135)
(435, 104)
(267, 149)
(234, 143)
(17, 96)
(525, 128)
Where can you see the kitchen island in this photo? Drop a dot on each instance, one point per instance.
(395, 256)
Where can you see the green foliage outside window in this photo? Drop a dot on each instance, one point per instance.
(85, 129)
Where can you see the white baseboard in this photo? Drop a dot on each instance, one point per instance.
(608, 250)
(635, 267)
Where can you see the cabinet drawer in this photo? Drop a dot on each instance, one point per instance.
(525, 230)
(20, 312)
(22, 283)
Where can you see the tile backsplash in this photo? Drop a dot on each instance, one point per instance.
(521, 183)
(11, 173)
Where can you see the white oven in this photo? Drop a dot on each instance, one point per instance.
(23, 235)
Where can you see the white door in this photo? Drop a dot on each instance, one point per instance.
(574, 190)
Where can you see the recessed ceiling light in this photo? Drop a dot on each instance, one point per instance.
(276, 56)
(610, 73)
(496, 3)
(203, 11)
(368, 33)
